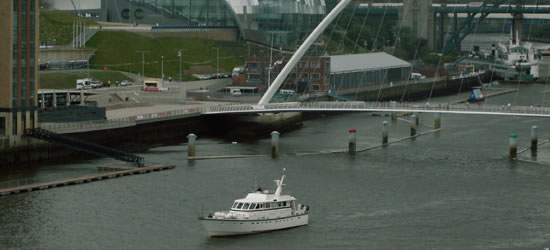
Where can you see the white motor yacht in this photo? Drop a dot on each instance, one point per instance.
(258, 212)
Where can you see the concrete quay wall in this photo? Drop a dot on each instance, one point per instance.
(209, 34)
(23, 150)
(64, 55)
(415, 90)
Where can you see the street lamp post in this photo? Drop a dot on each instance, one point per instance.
(217, 60)
(162, 67)
(270, 63)
(142, 63)
(180, 55)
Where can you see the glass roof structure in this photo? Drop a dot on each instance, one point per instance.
(288, 22)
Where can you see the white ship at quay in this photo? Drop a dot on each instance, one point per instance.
(258, 212)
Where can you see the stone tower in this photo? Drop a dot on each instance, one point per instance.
(419, 16)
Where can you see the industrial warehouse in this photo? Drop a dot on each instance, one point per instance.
(321, 74)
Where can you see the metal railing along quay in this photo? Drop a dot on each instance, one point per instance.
(88, 125)
(118, 122)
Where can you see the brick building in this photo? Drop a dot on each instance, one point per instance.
(309, 75)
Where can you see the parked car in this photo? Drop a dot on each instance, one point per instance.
(97, 84)
(125, 83)
(417, 76)
(235, 92)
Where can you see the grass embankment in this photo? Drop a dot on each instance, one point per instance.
(56, 27)
(118, 50)
(68, 80)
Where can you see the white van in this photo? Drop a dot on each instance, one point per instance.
(417, 76)
(287, 91)
(235, 92)
(237, 71)
(85, 83)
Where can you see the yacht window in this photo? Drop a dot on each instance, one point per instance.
(253, 206)
(267, 205)
(261, 205)
(284, 203)
(239, 206)
(246, 205)
(235, 205)
(274, 205)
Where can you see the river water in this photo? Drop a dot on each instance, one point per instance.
(454, 189)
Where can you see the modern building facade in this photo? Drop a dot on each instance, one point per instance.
(286, 22)
(18, 67)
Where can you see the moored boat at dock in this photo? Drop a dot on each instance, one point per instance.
(514, 60)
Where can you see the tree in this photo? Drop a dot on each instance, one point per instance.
(45, 4)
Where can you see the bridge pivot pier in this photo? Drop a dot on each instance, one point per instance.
(352, 141)
(191, 141)
(68, 98)
(513, 147)
(275, 144)
(385, 133)
(413, 125)
(534, 140)
(54, 99)
(437, 120)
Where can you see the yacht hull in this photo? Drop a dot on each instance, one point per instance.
(220, 228)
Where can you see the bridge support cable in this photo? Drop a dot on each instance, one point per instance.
(301, 51)
(84, 146)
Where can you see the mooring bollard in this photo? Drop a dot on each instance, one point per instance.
(352, 141)
(513, 146)
(385, 132)
(275, 144)
(191, 140)
(437, 120)
(534, 139)
(413, 125)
